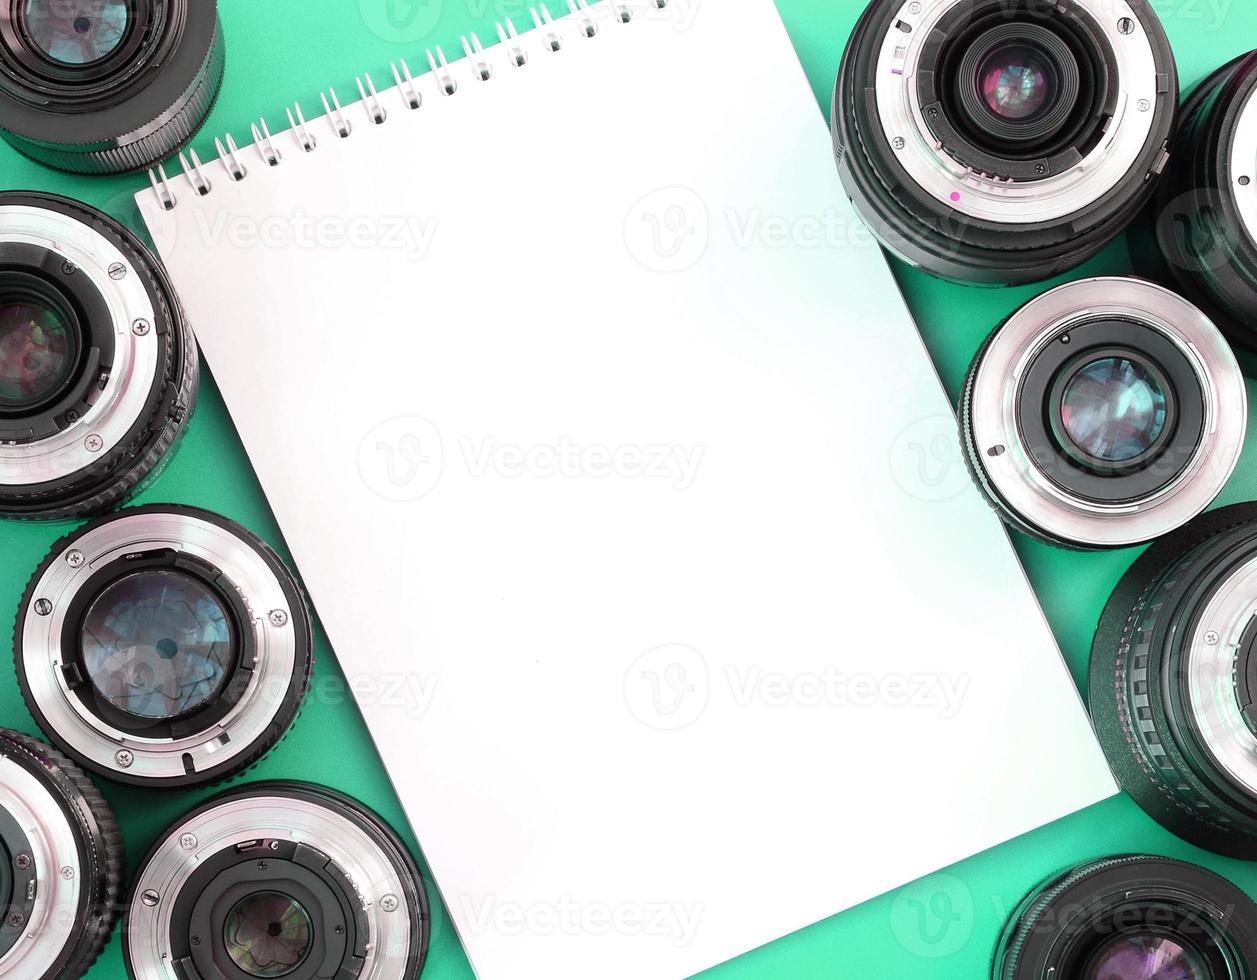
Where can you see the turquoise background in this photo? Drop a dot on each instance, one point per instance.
(942, 927)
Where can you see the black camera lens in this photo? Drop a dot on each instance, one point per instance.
(1003, 141)
(163, 647)
(1131, 918)
(1173, 686)
(278, 880)
(60, 864)
(98, 367)
(1207, 208)
(107, 86)
(1104, 413)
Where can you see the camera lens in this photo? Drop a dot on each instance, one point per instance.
(1003, 141)
(163, 646)
(1207, 214)
(1173, 685)
(107, 86)
(1131, 918)
(1104, 413)
(60, 864)
(98, 368)
(277, 880)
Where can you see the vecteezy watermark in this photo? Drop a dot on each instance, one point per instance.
(401, 21)
(836, 688)
(927, 462)
(404, 458)
(668, 230)
(670, 687)
(671, 230)
(411, 234)
(934, 917)
(676, 922)
(569, 459)
(409, 695)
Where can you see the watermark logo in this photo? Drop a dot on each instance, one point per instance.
(401, 460)
(401, 21)
(668, 230)
(676, 922)
(668, 688)
(926, 460)
(934, 917)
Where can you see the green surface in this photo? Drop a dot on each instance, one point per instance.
(943, 927)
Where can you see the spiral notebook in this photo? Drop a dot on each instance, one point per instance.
(624, 488)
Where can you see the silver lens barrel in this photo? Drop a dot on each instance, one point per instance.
(1026, 467)
(63, 864)
(98, 368)
(163, 647)
(323, 859)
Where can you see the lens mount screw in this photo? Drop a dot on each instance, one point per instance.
(140, 328)
(69, 268)
(188, 842)
(16, 919)
(22, 862)
(278, 617)
(898, 142)
(150, 898)
(125, 758)
(75, 559)
(1212, 638)
(43, 607)
(1144, 105)
(1126, 26)
(389, 903)
(914, 7)
(93, 443)
(117, 271)
(67, 873)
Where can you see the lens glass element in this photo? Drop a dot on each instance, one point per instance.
(35, 355)
(268, 934)
(77, 32)
(157, 645)
(1016, 83)
(1114, 409)
(1146, 957)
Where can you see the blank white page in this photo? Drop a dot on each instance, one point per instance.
(625, 490)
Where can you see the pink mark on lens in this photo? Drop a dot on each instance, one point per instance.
(955, 195)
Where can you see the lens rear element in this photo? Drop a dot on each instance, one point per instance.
(77, 32)
(1146, 957)
(36, 351)
(1114, 408)
(157, 644)
(1016, 82)
(268, 934)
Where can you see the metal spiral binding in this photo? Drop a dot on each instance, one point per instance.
(373, 102)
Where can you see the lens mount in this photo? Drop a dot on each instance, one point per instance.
(1014, 423)
(1173, 687)
(277, 879)
(1113, 916)
(1086, 109)
(163, 647)
(1207, 210)
(131, 363)
(113, 107)
(62, 856)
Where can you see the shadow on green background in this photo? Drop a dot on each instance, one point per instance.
(942, 927)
